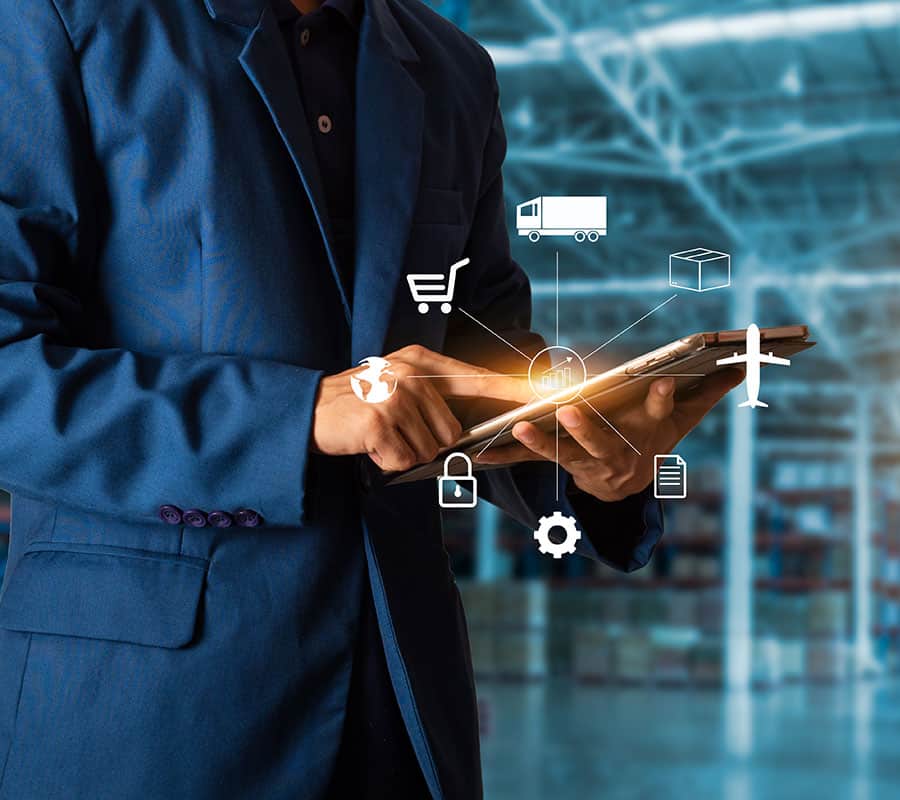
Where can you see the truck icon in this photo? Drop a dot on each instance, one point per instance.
(579, 217)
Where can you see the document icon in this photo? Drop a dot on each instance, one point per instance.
(670, 481)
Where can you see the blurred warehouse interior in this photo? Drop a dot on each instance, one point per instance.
(756, 657)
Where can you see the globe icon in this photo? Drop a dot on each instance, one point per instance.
(375, 383)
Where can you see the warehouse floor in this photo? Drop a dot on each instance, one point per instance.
(557, 741)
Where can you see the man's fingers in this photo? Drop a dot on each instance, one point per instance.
(486, 384)
(590, 433)
(427, 362)
(391, 451)
(660, 399)
(570, 453)
(454, 378)
(535, 439)
(438, 416)
(508, 454)
(420, 437)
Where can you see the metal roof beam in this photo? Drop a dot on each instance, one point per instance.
(815, 19)
(646, 95)
(823, 281)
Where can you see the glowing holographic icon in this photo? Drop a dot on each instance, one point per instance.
(753, 358)
(375, 383)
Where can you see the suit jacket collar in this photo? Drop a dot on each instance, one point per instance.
(243, 13)
(386, 28)
(390, 119)
(265, 60)
(246, 14)
(351, 10)
(390, 108)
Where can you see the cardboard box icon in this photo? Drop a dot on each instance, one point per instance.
(700, 270)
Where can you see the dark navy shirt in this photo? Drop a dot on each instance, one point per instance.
(376, 760)
(322, 46)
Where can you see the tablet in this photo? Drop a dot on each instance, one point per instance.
(687, 360)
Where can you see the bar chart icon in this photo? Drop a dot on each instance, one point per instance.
(559, 378)
(670, 479)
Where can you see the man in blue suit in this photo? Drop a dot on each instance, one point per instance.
(206, 213)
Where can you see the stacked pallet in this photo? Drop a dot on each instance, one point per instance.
(507, 628)
(671, 649)
(829, 614)
(793, 659)
(828, 655)
(593, 653)
(519, 630)
(828, 660)
(708, 662)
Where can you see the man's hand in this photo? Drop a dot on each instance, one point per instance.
(597, 458)
(414, 423)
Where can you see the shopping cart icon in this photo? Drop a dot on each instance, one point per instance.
(434, 287)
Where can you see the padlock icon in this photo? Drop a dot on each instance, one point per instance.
(450, 487)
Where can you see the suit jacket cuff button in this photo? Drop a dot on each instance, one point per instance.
(170, 514)
(195, 518)
(220, 519)
(247, 517)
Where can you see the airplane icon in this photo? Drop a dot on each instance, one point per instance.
(753, 358)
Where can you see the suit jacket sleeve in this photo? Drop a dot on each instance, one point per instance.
(111, 430)
(498, 294)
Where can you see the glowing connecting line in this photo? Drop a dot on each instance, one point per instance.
(550, 384)
(562, 382)
(625, 330)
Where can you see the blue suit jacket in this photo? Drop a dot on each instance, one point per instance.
(168, 303)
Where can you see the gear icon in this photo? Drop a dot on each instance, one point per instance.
(557, 520)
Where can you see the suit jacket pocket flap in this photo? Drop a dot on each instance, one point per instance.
(104, 593)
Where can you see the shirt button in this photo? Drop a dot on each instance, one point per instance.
(325, 124)
(304, 37)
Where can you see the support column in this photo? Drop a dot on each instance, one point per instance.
(740, 490)
(864, 654)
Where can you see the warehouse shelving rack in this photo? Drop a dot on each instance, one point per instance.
(767, 160)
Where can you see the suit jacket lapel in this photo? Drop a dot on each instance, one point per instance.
(244, 13)
(266, 62)
(389, 123)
